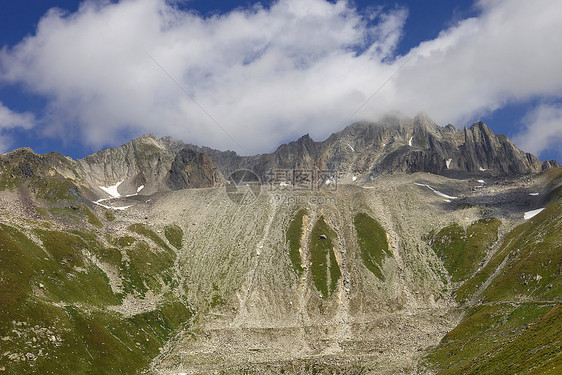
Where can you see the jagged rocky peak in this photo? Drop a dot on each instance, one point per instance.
(396, 144)
(24, 162)
(485, 151)
(156, 164)
(129, 164)
(400, 144)
(305, 142)
(423, 119)
(547, 164)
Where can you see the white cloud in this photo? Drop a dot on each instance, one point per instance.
(12, 120)
(543, 130)
(271, 74)
(512, 52)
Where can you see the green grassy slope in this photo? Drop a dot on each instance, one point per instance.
(324, 266)
(174, 234)
(293, 237)
(55, 316)
(462, 250)
(373, 245)
(517, 325)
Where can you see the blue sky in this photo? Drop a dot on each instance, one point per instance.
(95, 74)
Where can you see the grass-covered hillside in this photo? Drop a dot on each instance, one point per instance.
(513, 318)
(79, 301)
(461, 249)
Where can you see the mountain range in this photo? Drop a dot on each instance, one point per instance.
(362, 151)
(398, 246)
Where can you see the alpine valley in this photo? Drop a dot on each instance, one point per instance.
(398, 246)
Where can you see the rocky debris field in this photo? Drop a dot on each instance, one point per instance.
(191, 282)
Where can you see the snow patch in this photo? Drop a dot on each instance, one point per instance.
(110, 207)
(448, 162)
(354, 178)
(112, 190)
(534, 194)
(436, 191)
(481, 181)
(121, 208)
(410, 141)
(530, 214)
(114, 194)
(352, 149)
(482, 169)
(284, 184)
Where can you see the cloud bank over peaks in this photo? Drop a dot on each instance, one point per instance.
(542, 130)
(267, 75)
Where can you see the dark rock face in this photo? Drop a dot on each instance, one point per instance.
(191, 169)
(483, 149)
(550, 164)
(412, 161)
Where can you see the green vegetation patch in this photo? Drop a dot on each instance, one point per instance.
(54, 189)
(109, 215)
(54, 305)
(145, 231)
(503, 339)
(373, 245)
(147, 269)
(125, 241)
(79, 213)
(93, 244)
(533, 256)
(68, 340)
(517, 327)
(92, 218)
(67, 277)
(42, 212)
(215, 298)
(7, 180)
(534, 262)
(462, 251)
(324, 266)
(293, 237)
(174, 234)
(20, 260)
